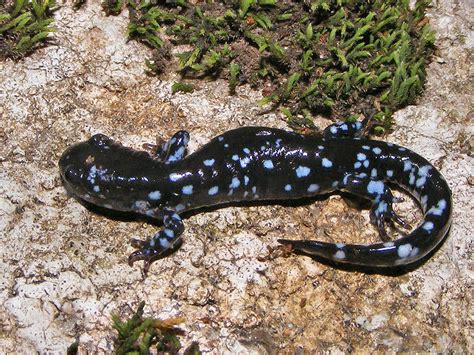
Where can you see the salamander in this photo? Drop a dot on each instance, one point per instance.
(261, 163)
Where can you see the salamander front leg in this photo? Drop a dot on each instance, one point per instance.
(163, 241)
(172, 150)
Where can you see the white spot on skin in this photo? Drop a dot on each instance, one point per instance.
(220, 138)
(254, 189)
(412, 179)
(302, 171)
(246, 180)
(344, 127)
(361, 156)
(326, 163)
(366, 164)
(357, 165)
(424, 201)
(407, 165)
(246, 193)
(366, 147)
(246, 150)
(428, 226)
(404, 250)
(340, 245)
(313, 188)
(421, 181)
(96, 188)
(340, 255)
(231, 191)
(187, 190)
(377, 150)
(268, 164)
(389, 173)
(154, 195)
(401, 149)
(174, 177)
(358, 125)
(423, 171)
(388, 244)
(235, 183)
(438, 210)
(288, 187)
(244, 162)
(177, 155)
(335, 183)
(278, 142)
(375, 187)
(165, 243)
(320, 147)
(179, 207)
(235, 157)
(209, 162)
(373, 173)
(169, 233)
(333, 130)
(381, 208)
(262, 148)
(226, 145)
(213, 190)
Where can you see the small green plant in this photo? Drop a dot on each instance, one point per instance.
(139, 335)
(24, 25)
(339, 58)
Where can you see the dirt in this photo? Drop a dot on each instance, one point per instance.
(64, 267)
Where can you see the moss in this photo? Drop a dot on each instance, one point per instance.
(338, 58)
(24, 25)
(139, 335)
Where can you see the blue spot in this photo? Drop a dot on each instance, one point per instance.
(254, 189)
(165, 243)
(377, 150)
(366, 163)
(246, 150)
(373, 173)
(244, 162)
(235, 157)
(179, 207)
(406, 165)
(169, 233)
(357, 165)
(235, 183)
(313, 188)
(213, 190)
(288, 187)
(226, 145)
(366, 147)
(209, 162)
(326, 163)
(361, 156)
(268, 164)
(333, 130)
(220, 138)
(375, 187)
(175, 177)
(187, 190)
(154, 195)
(278, 142)
(302, 171)
(428, 226)
(358, 125)
(344, 127)
(246, 180)
(96, 188)
(389, 173)
(421, 181)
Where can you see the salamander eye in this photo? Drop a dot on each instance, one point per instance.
(71, 175)
(100, 140)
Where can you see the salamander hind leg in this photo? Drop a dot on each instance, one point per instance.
(381, 197)
(163, 241)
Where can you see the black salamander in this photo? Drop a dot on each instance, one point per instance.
(259, 163)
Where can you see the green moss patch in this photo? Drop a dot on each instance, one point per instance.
(343, 59)
(24, 25)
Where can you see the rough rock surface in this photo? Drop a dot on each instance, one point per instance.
(64, 268)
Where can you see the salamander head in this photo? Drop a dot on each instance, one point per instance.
(82, 167)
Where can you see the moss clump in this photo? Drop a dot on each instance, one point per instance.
(340, 58)
(140, 335)
(24, 25)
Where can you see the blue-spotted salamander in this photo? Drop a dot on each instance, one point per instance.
(260, 163)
